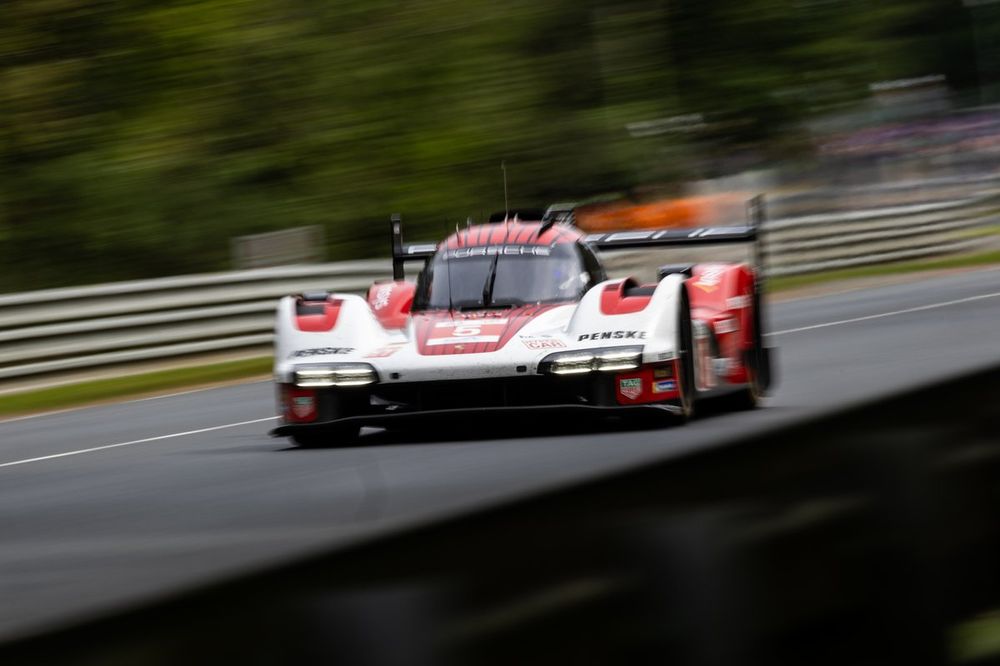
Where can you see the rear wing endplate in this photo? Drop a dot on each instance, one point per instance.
(403, 253)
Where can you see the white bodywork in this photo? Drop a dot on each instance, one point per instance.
(358, 337)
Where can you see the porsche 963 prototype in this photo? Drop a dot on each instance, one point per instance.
(517, 315)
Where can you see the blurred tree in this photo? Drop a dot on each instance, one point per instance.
(138, 136)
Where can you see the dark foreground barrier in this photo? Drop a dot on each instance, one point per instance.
(870, 537)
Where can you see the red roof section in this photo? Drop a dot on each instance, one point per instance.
(512, 233)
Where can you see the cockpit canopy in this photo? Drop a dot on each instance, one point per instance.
(498, 276)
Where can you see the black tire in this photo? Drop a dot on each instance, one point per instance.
(749, 397)
(685, 347)
(319, 440)
(756, 387)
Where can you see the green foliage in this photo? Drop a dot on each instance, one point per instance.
(137, 137)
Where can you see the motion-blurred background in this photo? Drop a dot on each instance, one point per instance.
(139, 138)
(158, 138)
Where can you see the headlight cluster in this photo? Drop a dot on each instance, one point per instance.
(613, 359)
(344, 374)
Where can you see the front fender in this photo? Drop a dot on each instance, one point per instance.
(654, 326)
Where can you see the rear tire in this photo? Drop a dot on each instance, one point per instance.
(749, 398)
(685, 348)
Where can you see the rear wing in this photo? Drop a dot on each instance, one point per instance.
(648, 238)
(403, 253)
(615, 240)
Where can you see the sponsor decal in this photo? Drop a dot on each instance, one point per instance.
(492, 250)
(320, 351)
(722, 366)
(738, 302)
(726, 326)
(703, 364)
(662, 373)
(303, 407)
(543, 343)
(386, 351)
(630, 388)
(709, 279)
(495, 316)
(613, 335)
(382, 295)
(664, 386)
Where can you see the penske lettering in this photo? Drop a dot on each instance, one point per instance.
(613, 335)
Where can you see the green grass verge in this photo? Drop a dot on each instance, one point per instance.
(977, 639)
(958, 261)
(58, 397)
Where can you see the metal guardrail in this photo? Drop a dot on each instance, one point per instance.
(839, 199)
(59, 330)
(814, 243)
(55, 331)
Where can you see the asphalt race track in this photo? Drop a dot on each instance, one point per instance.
(107, 506)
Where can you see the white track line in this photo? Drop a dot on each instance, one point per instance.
(932, 306)
(135, 441)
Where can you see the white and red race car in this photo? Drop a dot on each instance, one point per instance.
(518, 315)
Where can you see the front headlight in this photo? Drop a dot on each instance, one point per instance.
(613, 359)
(344, 374)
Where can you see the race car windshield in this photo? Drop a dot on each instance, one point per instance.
(502, 276)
